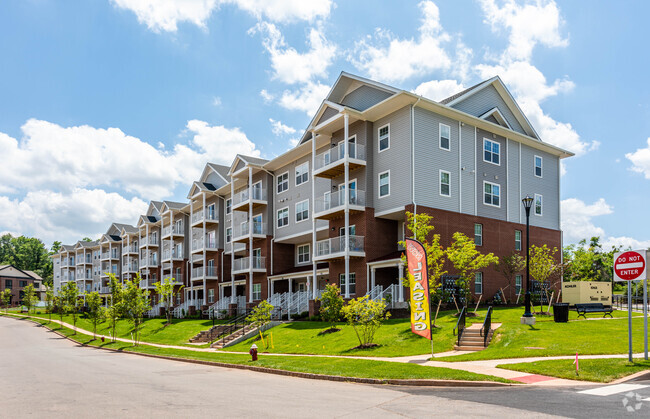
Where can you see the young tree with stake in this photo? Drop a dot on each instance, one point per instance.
(95, 310)
(71, 300)
(167, 292)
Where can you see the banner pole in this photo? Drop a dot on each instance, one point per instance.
(645, 319)
(629, 319)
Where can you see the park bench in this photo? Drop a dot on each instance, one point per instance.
(583, 309)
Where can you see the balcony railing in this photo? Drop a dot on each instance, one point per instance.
(336, 245)
(151, 241)
(130, 267)
(173, 254)
(336, 200)
(148, 283)
(244, 264)
(198, 244)
(205, 214)
(174, 279)
(132, 248)
(244, 230)
(336, 155)
(210, 271)
(242, 197)
(149, 262)
(174, 229)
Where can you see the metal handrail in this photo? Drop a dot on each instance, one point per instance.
(231, 327)
(487, 326)
(460, 325)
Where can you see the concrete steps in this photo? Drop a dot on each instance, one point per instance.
(471, 340)
(222, 343)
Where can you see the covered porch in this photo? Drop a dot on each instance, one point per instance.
(384, 280)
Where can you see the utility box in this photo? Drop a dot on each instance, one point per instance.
(583, 292)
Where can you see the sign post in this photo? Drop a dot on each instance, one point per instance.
(630, 266)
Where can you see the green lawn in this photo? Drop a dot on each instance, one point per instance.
(598, 370)
(316, 365)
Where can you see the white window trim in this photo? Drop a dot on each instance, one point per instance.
(276, 182)
(483, 151)
(541, 207)
(541, 166)
(379, 184)
(480, 235)
(228, 228)
(440, 172)
(276, 218)
(475, 277)
(295, 175)
(258, 285)
(440, 125)
(379, 150)
(520, 240)
(308, 254)
(228, 207)
(493, 184)
(295, 211)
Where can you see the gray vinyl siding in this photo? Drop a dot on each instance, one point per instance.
(358, 129)
(430, 159)
(514, 185)
(468, 166)
(397, 159)
(327, 114)
(547, 186)
(488, 172)
(483, 101)
(364, 97)
(240, 165)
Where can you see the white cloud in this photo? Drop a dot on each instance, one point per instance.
(266, 96)
(289, 65)
(387, 58)
(640, 160)
(67, 216)
(438, 89)
(577, 217)
(216, 101)
(52, 157)
(164, 15)
(294, 141)
(307, 98)
(278, 128)
(284, 11)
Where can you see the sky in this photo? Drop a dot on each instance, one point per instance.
(108, 104)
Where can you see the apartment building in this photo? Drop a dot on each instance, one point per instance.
(332, 208)
(16, 280)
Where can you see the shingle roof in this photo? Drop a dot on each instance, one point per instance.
(459, 94)
(130, 229)
(174, 205)
(254, 160)
(83, 243)
(221, 169)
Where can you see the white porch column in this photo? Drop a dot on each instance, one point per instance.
(232, 243)
(204, 249)
(189, 274)
(313, 210)
(250, 234)
(289, 299)
(372, 277)
(401, 287)
(346, 161)
(272, 287)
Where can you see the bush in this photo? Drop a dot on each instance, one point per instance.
(365, 316)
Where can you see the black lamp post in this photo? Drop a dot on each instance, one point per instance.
(528, 202)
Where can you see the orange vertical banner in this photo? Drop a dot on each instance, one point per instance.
(416, 259)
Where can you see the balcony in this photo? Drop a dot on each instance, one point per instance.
(87, 261)
(130, 267)
(243, 233)
(209, 273)
(334, 248)
(83, 276)
(149, 241)
(112, 255)
(105, 272)
(241, 199)
(198, 245)
(207, 215)
(174, 254)
(332, 205)
(331, 163)
(148, 283)
(174, 230)
(149, 262)
(104, 290)
(130, 249)
(243, 265)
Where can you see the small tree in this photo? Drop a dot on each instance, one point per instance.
(261, 315)
(70, 300)
(49, 299)
(29, 297)
(365, 316)
(115, 309)
(508, 266)
(167, 293)
(420, 228)
(467, 261)
(95, 310)
(136, 303)
(6, 298)
(331, 305)
(59, 304)
(543, 266)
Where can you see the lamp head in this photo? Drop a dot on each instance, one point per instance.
(527, 201)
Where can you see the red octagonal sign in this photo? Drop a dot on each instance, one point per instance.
(629, 266)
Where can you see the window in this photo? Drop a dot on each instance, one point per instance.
(178, 275)
(445, 188)
(303, 253)
(491, 194)
(353, 230)
(445, 136)
(178, 298)
(517, 240)
(478, 283)
(283, 182)
(257, 291)
(211, 295)
(228, 234)
(352, 283)
(490, 151)
(517, 284)
(384, 138)
(302, 211)
(538, 166)
(538, 204)
(228, 206)
(9, 283)
(302, 173)
(384, 184)
(283, 217)
(478, 234)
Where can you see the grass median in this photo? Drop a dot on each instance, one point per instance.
(358, 368)
(595, 370)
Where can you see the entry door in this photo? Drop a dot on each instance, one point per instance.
(352, 142)
(257, 190)
(257, 224)
(353, 192)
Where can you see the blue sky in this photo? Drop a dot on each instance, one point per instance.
(107, 104)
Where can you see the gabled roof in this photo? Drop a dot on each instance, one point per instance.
(497, 115)
(129, 229)
(66, 248)
(154, 208)
(461, 93)
(29, 274)
(171, 205)
(221, 170)
(248, 160)
(84, 244)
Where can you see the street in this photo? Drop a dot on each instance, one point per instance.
(42, 374)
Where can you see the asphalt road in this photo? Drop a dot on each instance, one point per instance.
(44, 375)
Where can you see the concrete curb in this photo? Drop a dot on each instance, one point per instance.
(395, 382)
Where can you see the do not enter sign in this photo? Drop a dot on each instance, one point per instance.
(630, 266)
